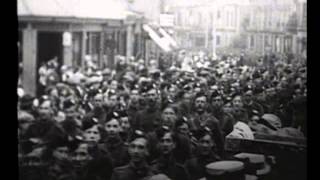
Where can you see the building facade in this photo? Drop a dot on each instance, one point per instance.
(73, 31)
(274, 26)
(260, 26)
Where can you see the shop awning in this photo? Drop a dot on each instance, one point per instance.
(161, 38)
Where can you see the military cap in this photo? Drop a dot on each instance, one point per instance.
(202, 132)
(223, 167)
(112, 115)
(89, 123)
(180, 121)
(138, 134)
(255, 163)
(200, 94)
(160, 132)
(159, 177)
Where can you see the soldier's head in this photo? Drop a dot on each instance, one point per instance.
(91, 130)
(113, 85)
(57, 148)
(237, 102)
(45, 109)
(134, 96)
(182, 126)
(124, 121)
(25, 120)
(172, 91)
(97, 100)
(169, 115)
(217, 100)
(248, 97)
(81, 155)
(112, 100)
(205, 141)
(112, 125)
(200, 102)
(70, 108)
(187, 93)
(61, 153)
(167, 140)
(138, 147)
(152, 96)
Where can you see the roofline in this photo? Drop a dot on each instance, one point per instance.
(64, 19)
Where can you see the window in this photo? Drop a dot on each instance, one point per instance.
(93, 45)
(218, 14)
(211, 18)
(76, 48)
(218, 40)
(199, 41)
(178, 20)
(234, 20)
(266, 38)
(199, 19)
(228, 19)
(251, 41)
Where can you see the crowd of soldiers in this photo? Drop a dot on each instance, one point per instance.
(156, 120)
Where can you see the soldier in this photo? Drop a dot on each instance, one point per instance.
(251, 105)
(133, 104)
(91, 130)
(169, 116)
(186, 100)
(112, 144)
(226, 119)
(44, 124)
(149, 119)
(202, 118)
(25, 119)
(98, 111)
(88, 164)
(137, 168)
(126, 129)
(239, 112)
(205, 154)
(58, 159)
(166, 163)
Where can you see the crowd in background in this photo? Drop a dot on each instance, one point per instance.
(169, 116)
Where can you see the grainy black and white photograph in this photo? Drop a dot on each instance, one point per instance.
(162, 89)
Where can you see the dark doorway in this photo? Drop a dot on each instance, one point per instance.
(49, 46)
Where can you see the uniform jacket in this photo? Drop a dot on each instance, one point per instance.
(147, 120)
(226, 121)
(130, 172)
(197, 121)
(116, 150)
(170, 168)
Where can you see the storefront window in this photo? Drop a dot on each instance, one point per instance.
(92, 51)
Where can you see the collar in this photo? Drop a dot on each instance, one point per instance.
(113, 142)
(166, 160)
(141, 170)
